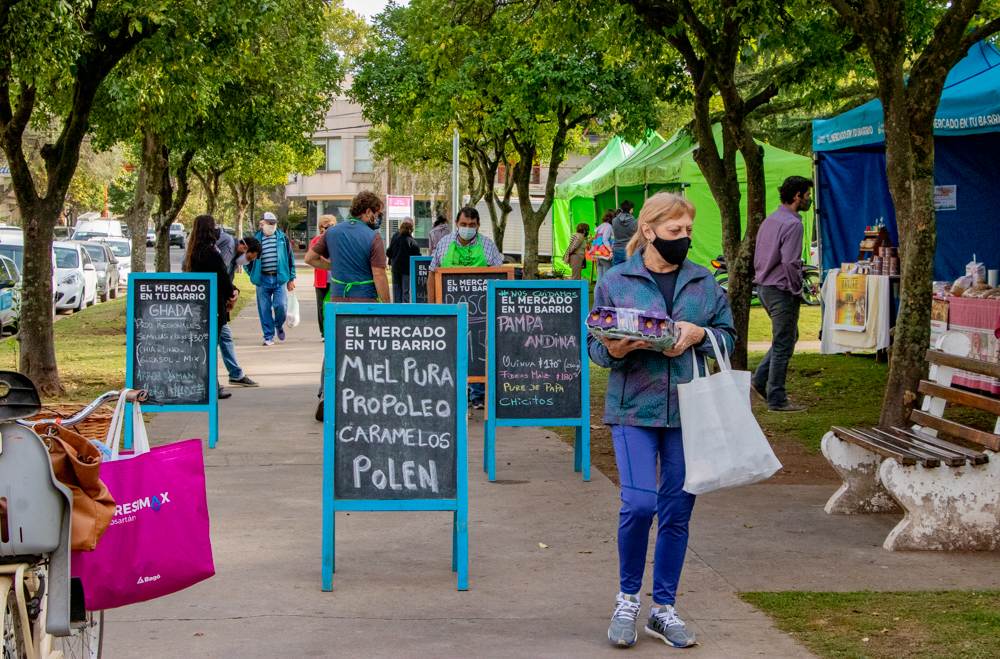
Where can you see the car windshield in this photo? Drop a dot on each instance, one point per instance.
(120, 249)
(96, 253)
(13, 252)
(67, 257)
(87, 235)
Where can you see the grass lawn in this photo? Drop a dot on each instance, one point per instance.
(90, 347)
(810, 321)
(957, 624)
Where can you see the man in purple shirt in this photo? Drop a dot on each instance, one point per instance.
(778, 266)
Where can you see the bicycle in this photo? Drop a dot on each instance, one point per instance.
(811, 287)
(43, 608)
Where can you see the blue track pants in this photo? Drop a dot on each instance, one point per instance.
(646, 491)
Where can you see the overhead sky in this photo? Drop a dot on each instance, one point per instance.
(369, 8)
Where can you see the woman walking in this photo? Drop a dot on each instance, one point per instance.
(401, 248)
(320, 276)
(604, 244)
(202, 256)
(642, 408)
(576, 251)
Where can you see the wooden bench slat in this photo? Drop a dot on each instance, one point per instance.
(964, 363)
(960, 397)
(850, 435)
(987, 439)
(925, 457)
(925, 451)
(975, 457)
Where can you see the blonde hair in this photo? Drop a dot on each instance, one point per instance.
(661, 207)
(327, 221)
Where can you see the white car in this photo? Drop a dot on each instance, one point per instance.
(76, 277)
(122, 249)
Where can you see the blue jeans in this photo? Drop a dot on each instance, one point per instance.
(228, 351)
(618, 255)
(636, 452)
(271, 300)
(477, 392)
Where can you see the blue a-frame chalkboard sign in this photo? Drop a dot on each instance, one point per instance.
(171, 338)
(419, 271)
(394, 432)
(537, 367)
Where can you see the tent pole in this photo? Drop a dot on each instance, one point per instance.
(617, 205)
(817, 215)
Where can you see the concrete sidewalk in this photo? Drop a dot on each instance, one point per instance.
(394, 592)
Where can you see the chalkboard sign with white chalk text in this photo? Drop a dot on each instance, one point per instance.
(394, 432)
(171, 343)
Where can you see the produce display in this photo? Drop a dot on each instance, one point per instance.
(614, 323)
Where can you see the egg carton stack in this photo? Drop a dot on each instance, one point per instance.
(611, 322)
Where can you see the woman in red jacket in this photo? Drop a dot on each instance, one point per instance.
(320, 276)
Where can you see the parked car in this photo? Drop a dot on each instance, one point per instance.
(62, 233)
(150, 238)
(10, 296)
(108, 276)
(177, 235)
(88, 235)
(7, 230)
(92, 222)
(12, 247)
(122, 249)
(76, 276)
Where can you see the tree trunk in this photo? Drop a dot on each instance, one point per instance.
(170, 203)
(137, 216)
(741, 269)
(910, 172)
(241, 199)
(38, 354)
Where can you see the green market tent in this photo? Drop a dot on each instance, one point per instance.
(671, 166)
(574, 198)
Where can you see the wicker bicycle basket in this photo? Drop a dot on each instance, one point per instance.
(94, 426)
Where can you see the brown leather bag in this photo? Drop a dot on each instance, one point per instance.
(77, 464)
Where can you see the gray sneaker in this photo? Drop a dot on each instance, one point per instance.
(667, 626)
(622, 632)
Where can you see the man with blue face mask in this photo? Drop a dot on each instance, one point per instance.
(465, 248)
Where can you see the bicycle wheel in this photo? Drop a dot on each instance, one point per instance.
(86, 640)
(13, 634)
(811, 290)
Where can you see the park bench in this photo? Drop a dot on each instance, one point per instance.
(944, 474)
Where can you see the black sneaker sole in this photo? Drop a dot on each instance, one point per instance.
(235, 383)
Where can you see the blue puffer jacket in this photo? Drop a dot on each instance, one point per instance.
(642, 386)
(286, 260)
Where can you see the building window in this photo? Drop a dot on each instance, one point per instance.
(536, 174)
(322, 148)
(363, 156)
(334, 154)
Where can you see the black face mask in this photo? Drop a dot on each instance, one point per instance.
(673, 251)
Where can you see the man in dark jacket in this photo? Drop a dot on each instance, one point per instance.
(623, 228)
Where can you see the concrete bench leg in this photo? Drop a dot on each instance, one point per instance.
(859, 468)
(946, 508)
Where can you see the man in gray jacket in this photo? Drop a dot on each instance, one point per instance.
(623, 228)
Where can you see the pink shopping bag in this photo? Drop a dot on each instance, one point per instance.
(158, 541)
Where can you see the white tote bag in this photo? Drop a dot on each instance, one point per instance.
(293, 311)
(723, 443)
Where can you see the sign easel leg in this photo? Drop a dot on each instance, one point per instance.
(460, 545)
(581, 451)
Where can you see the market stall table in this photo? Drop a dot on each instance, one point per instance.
(979, 319)
(865, 315)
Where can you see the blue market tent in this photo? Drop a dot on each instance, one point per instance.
(853, 191)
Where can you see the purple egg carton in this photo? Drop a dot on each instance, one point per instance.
(615, 323)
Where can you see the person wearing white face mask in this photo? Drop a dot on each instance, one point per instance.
(465, 248)
(273, 274)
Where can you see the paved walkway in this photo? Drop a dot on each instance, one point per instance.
(394, 592)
